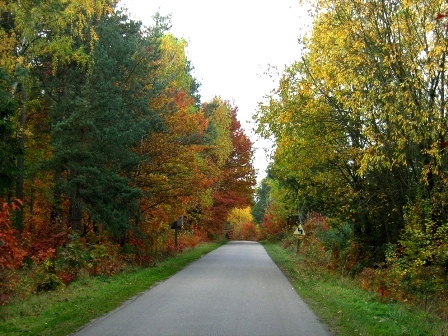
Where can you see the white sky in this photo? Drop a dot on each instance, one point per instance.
(231, 45)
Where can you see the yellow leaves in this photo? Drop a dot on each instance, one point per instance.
(240, 216)
(221, 119)
(50, 27)
(285, 117)
(367, 97)
(157, 178)
(8, 60)
(174, 62)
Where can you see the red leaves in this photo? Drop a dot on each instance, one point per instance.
(11, 251)
(441, 16)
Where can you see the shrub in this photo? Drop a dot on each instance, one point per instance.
(73, 257)
(419, 259)
(339, 241)
(272, 228)
(414, 270)
(11, 252)
(45, 278)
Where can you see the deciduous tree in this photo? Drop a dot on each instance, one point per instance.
(235, 186)
(360, 120)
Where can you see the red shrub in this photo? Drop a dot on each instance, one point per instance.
(12, 251)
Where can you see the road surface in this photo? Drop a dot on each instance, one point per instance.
(234, 290)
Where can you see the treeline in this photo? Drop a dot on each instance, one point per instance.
(104, 140)
(360, 126)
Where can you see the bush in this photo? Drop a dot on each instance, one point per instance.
(272, 228)
(74, 257)
(414, 270)
(417, 262)
(98, 258)
(45, 278)
(12, 252)
(345, 253)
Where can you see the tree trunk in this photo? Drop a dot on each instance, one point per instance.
(75, 211)
(20, 162)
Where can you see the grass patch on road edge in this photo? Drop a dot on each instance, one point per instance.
(63, 311)
(346, 308)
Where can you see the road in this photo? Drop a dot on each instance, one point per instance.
(234, 290)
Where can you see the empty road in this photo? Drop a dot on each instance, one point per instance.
(234, 290)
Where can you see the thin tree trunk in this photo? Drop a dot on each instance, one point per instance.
(21, 161)
(76, 212)
(56, 210)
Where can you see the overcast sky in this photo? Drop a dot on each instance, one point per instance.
(231, 45)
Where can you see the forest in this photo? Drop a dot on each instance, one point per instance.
(104, 142)
(360, 128)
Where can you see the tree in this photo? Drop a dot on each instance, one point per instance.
(9, 147)
(261, 201)
(97, 120)
(36, 39)
(173, 174)
(241, 224)
(102, 129)
(359, 121)
(234, 187)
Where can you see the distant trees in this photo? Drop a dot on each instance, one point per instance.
(241, 225)
(262, 194)
(235, 186)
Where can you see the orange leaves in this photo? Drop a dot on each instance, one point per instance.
(11, 252)
(173, 175)
(272, 225)
(182, 100)
(176, 176)
(200, 162)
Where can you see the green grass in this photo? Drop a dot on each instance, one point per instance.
(348, 309)
(63, 311)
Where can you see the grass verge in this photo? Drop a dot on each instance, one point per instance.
(63, 311)
(348, 309)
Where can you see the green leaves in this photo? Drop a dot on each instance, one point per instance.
(358, 121)
(9, 146)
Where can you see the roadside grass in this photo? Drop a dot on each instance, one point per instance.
(346, 308)
(64, 311)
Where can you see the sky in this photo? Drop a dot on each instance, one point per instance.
(237, 48)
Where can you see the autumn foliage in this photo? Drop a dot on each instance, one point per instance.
(359, 123)
(241, 226)
(104, 142)
(12, 251)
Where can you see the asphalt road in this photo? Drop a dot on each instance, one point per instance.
(234, 290)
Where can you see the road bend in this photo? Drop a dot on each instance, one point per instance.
(234, 290)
